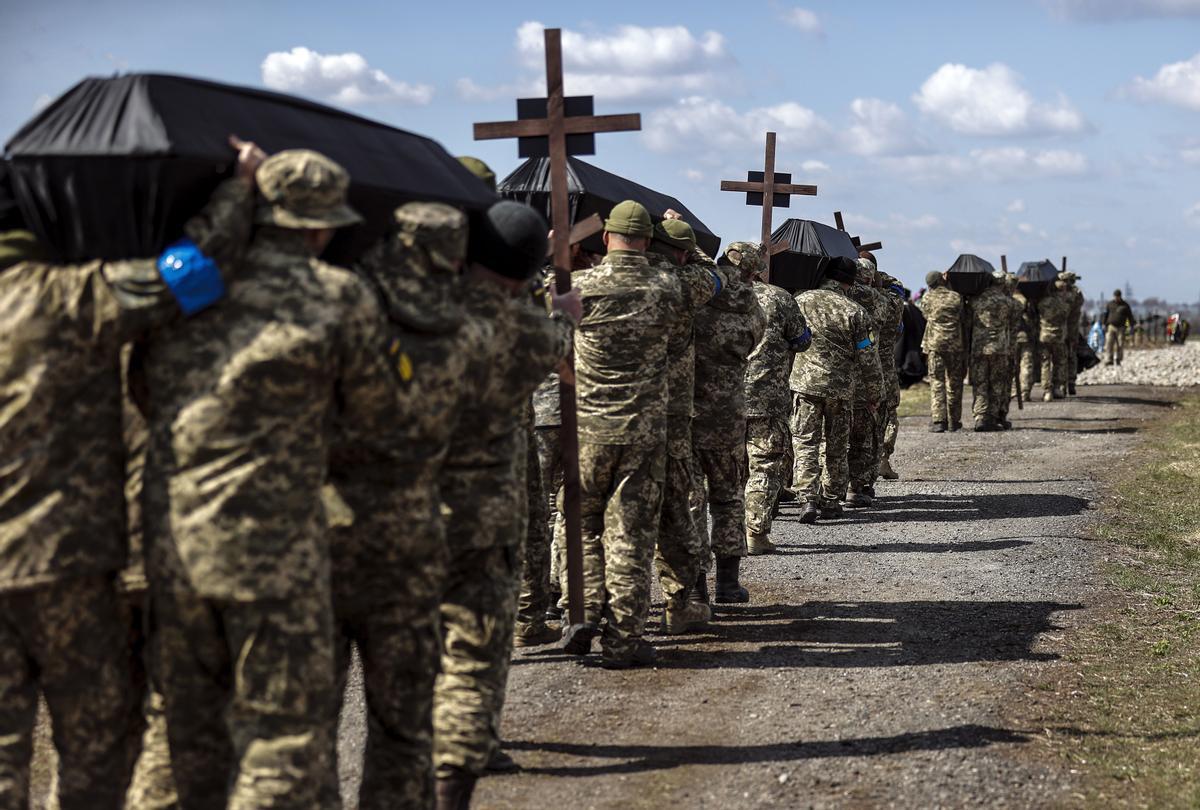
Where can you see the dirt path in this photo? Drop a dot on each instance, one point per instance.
(881, 658)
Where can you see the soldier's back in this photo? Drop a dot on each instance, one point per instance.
(943, 309)
(827, 368)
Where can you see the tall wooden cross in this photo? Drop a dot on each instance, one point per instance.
(1004, 262)
(566, 126)
(771, 190)
(841, 226)
(1064, 267)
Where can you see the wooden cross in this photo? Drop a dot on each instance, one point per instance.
(841, 226)
(1064, 264)
(768, 189)
(557, 127)
(1004, 262)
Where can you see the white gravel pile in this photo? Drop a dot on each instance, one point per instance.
(1169, 366)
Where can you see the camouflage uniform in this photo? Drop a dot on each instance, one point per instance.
(943, 343)
(991, 317)
(891, 329)
(866, 436)
(388, 545)
(843, 350)
(1053, 311)
(1076, 299)
(727, 330)
(768, 406)
(63, 630)
(547, 443)
(483, 489)
(1025, 356)
(240, 406)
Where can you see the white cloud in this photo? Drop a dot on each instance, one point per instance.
(880, 127)
(1192, 214)
(697, 122)
(1177, 83)
(42, 102)
(695, 175)
(1016, 207)
(814, 166)
(804, 20)
(1108, 10)
(343, 78)
(1190, 155)
(992, 101)
(995, 164)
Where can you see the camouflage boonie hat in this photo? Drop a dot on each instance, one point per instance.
(746, 256)
(1068, 277)
(438, 229)
(676, 233)
(480, 169)
(866, 272)
(303, 189)
(629, 218)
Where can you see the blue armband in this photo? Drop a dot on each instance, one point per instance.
(865, 343)
(802, 341)
(900, 328)
(898, 290)
(717, 278)
(192, 277)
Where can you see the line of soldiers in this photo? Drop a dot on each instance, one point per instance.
(226, 466)
(995, 339)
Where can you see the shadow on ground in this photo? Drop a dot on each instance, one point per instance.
(951, 508)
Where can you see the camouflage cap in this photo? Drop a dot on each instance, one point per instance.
(746, 256)
(629, 218)
(480, 169)
(1068, 277)
(438, 229)
(675, 233)
(866, 272)
(303, 189)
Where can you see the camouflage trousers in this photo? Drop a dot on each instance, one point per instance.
(535, 575)
(866, 440)
(723, 470)
(1026, 368)
(945, 387)
(820, 425)
(548, 442)
(1009, 361)
(621, 493)
(152, 786)
(478, 612)
(679, 552)
(768, 452)
(1054, 367)
(249, 695)
(989, 387)
(67, 640)
(1072, 361)
(1114, 344)
(891, 423)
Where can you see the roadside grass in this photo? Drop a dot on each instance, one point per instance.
(914, 400)
(1127, 714)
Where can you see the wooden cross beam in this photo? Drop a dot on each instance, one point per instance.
(1064, 269)
(557, 127)
(1004, 262)
(841, 226)
(764, 188)
(579, 231)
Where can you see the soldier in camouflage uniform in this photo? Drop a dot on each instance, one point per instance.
(1016, 310)
(768, 406)
(891, 330)
(842, 357)
(387, 536)
(1025, 357)
(629, 309)
(1053, 311)
(63, 632)
(680, 547)
(990, 323)
(943, 344)
(1076, 299)
(241, 400)
(482, 487)
(866, 435)
(727, 330)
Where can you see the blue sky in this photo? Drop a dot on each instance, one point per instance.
(1036, 128)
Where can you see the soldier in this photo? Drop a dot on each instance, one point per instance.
(1074, 331)
(768, 406)
(865, 436)
(482, 486)
(890, 334)
(389, 555)
(1026, 337)
(991, 318)
(1016, 334)
(842, 356)
(1053, 310)
(680, 547)
(629, 308)
(62, 511)
(240, 404)
(943, 343)
(727, 330)
(1117, 317)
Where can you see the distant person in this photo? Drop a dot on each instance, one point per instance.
(945, 346)
(1117, 316)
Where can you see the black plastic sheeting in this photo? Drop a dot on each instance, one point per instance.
(910, 362)
(969, 275)
(810, 247)
(1035, 279)
(115, 166)
(592, 190)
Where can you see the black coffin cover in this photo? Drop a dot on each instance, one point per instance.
(969, 275)
(910, 361)
(115, 166)
(1035, 279)
(592, 190)
(810, 247)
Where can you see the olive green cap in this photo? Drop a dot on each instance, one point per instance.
(303, 190)
(480, 169)
(676, 233)
(629, 218)
(746, 256)
(440, 229)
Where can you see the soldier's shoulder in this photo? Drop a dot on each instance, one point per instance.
(344, 286)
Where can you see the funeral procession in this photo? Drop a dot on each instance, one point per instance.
(780, 404)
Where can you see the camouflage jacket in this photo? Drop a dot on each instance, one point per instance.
(483, 479)
(944, 320)
(727, 330)
(1075, 297)
(1022, 319)
(991, 322)
(879, 308)
(891, 329)
(547, 411)
(1053, 311)
(242, 401)
(629, 310)
(843, 355)
(62, 475)
(770, 362)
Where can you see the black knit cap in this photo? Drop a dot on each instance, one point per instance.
(510, 239)
(842, 269)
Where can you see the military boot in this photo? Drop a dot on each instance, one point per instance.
(729, 590)
(886, 472)
(454, 792)
(858, 500)
(685, 616)
(577, 639)
(642, 655)
(698, 594)
(955, 427)
(937, 427)
(757, 544)
(501, 762)
(809, 513)
(832, 511)
(535, 635)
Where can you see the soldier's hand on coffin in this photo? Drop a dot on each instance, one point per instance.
(250, 157)
(569, 303)
(671, 213)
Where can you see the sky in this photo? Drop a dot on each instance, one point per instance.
(1031, 128)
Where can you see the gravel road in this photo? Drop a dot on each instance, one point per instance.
(882, 659)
